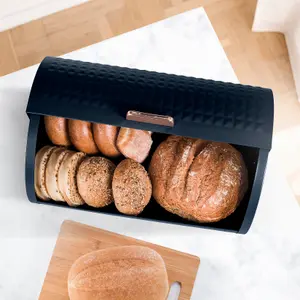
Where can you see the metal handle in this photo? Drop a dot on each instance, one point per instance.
(138, 116)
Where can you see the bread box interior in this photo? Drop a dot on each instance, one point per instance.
(239, 115)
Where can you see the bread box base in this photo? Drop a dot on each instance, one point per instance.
(238, 222)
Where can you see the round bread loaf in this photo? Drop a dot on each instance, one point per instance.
(132, 187)
(94, 179)
(57, 130)
(81, 136)
(105, 137)
(67, 177)
(119, 273)
(52, 168)
(41, 161)
(134, 143)
(198, 180)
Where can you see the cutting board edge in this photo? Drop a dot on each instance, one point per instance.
(74, 223)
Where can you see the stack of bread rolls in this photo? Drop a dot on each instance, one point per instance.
(196, 179)
(92, 138)
(75, 178)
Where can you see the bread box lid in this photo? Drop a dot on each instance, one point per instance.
(206, 109)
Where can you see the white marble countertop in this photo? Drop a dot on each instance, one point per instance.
(264, 264)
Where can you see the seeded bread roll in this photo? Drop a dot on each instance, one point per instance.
(94, 179)
(41, 160)
(57, 130)
(105, 137)
(131, 187)
(198, 180)
(134, 143)
(119, 273)
(81, 136)
(53, 165)
(67, 177)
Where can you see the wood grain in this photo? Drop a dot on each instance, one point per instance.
(77, 239)
(8, 59)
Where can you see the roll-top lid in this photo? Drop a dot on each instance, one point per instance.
(206, 109)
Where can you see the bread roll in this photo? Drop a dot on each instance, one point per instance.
(134, 144)
(132, 187)
(41, 160)
(57, 130)
(120, 273)
(53, 165)
(198, 180)
(94, 179)
(81, 136)
(105, 137)
(67, 177)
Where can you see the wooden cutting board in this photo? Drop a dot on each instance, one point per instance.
(77, 239)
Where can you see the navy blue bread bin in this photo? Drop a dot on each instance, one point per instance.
(237, 114)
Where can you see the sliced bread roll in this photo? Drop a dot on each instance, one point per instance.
(119, 273)
(67, 183)
(52, 169)
(198, 180)
(134, 143)
(41, 160)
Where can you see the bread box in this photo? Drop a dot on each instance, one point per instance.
(236, 114)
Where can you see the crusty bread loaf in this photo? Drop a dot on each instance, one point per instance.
(94, 181)
(132, 187)
(81, 135)
(57, 130)
(41, 160)
(67, 177)
(52, 168)
(198, 180)
(119, 273)
(105, 137)
(134, 144)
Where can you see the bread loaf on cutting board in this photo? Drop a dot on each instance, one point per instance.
(119, 273)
